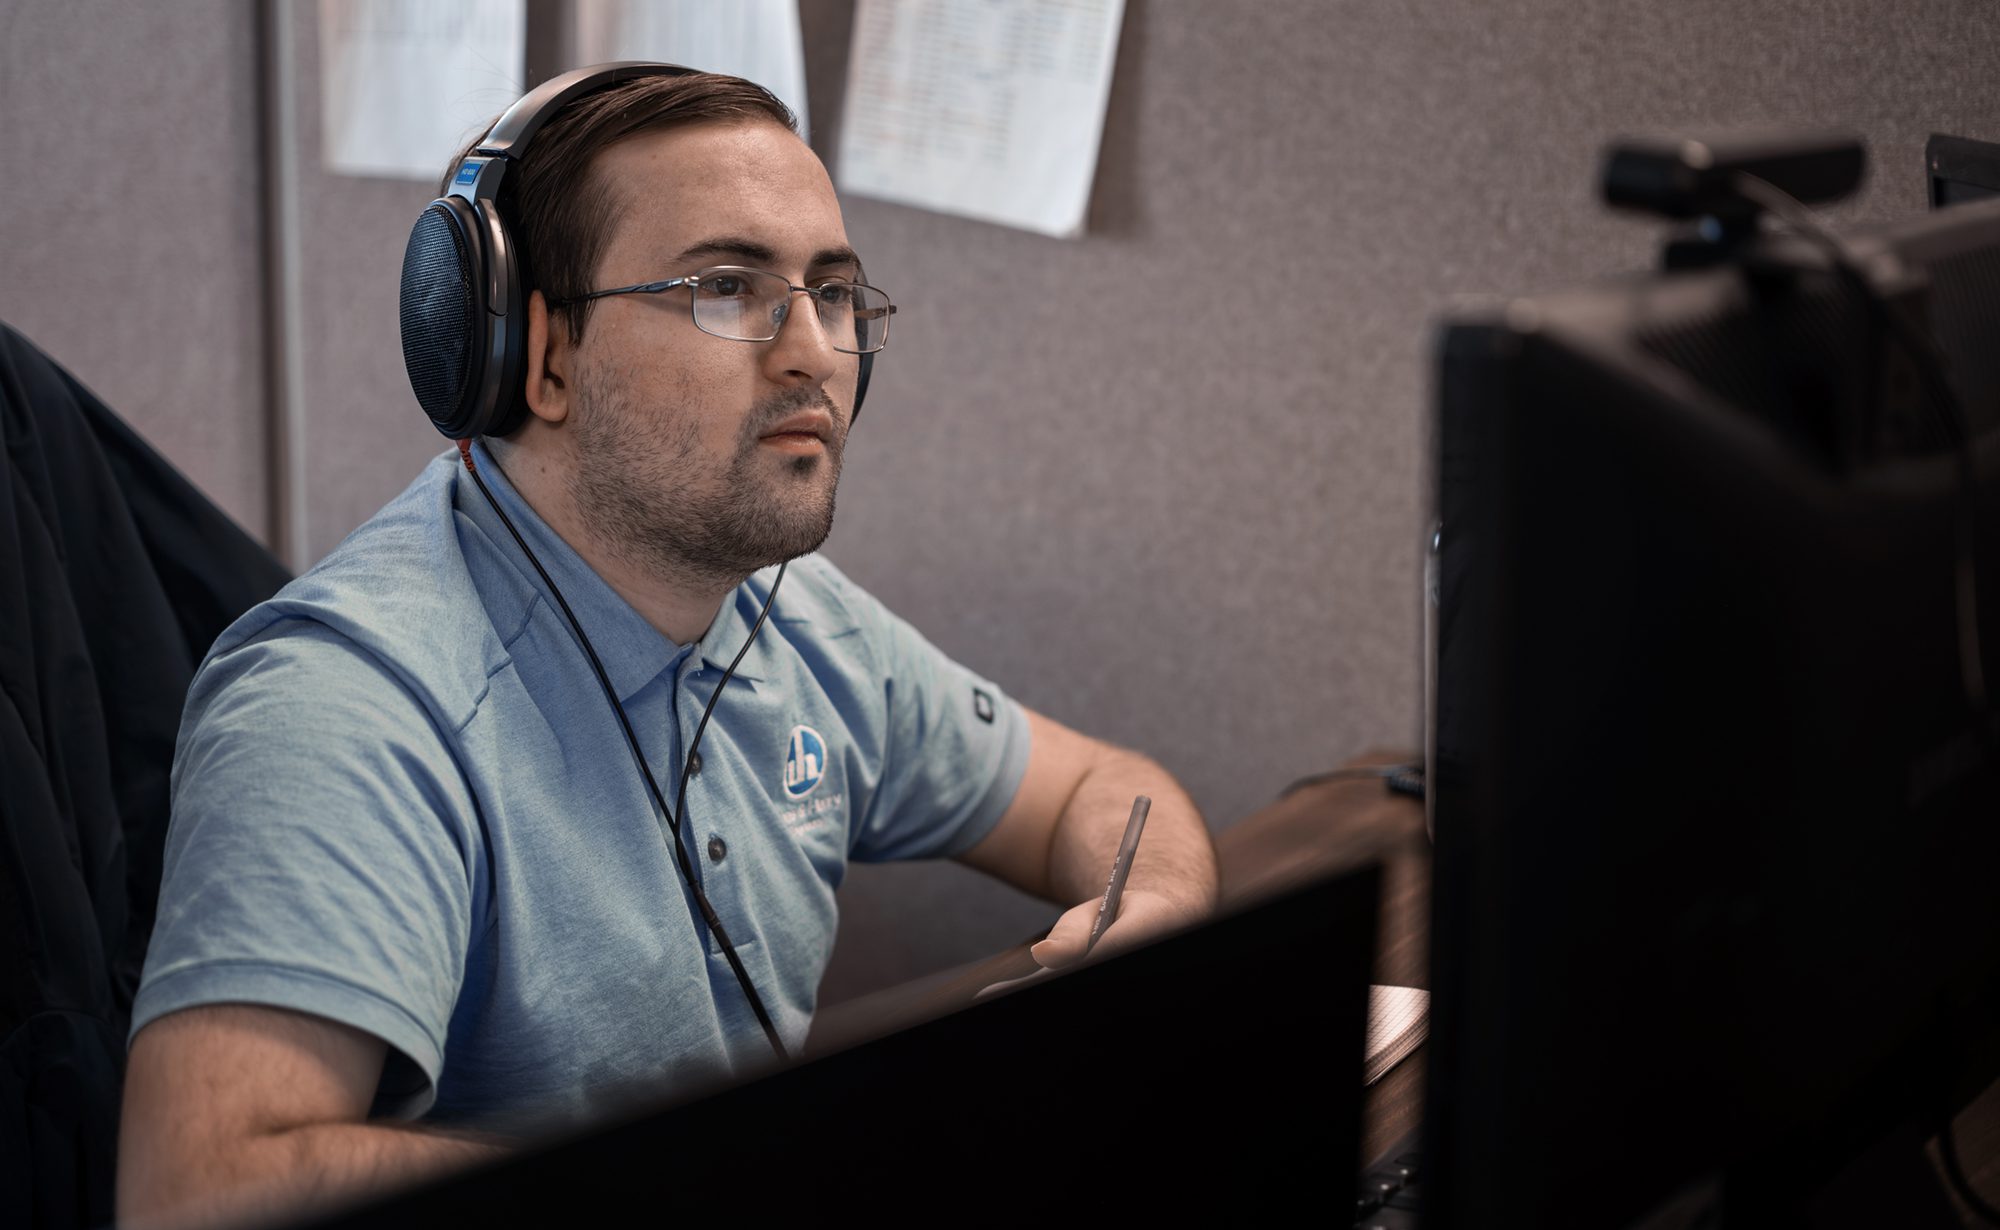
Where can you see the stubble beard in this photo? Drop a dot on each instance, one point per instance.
(646, 494)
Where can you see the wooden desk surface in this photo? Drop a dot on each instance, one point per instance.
(1316, 830)
(1336, 824)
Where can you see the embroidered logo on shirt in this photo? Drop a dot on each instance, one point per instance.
(805, 761)
(982, 705)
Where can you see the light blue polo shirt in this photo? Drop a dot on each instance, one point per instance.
(401, 801)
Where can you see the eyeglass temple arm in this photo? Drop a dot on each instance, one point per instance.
(643, 288)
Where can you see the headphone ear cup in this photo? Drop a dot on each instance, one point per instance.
(444, 314)
(464, 357)
(506, 404)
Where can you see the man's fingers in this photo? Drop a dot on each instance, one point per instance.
(1141, 917)
(1066, 941)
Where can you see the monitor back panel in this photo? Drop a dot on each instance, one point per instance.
(1213, 1073)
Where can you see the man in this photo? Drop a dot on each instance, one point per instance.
(416, 887)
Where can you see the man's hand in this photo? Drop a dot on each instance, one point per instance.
(1142, 917)
(1062, 832)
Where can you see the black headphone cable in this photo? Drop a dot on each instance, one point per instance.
(708, 914)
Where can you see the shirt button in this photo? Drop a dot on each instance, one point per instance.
(694, 763)
(716, 849)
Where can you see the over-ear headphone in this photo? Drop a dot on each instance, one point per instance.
(465, 292)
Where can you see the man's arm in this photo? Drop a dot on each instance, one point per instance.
(235, 1111)
(1058, 838)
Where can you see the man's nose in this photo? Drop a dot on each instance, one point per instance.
(802, 348)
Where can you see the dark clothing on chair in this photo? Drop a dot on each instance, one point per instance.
(115, 577)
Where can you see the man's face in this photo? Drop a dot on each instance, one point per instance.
(697, 457)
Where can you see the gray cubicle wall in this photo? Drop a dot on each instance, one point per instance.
(131, 230)
(1166, 482)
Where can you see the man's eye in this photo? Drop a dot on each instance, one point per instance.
(835, 294)
(725, 286)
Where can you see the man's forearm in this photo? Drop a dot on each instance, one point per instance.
(302, 1169)
(1176, 858)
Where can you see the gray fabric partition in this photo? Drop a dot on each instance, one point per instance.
(131, 230)
(1165, 483)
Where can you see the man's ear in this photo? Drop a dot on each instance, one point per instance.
(549, 358)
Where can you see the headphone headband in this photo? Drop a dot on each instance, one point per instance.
(519, 123)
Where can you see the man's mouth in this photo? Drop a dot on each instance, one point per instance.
(798, 443)
(804, 434)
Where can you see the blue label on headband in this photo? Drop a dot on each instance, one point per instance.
(466, 174)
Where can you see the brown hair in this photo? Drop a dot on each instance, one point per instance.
(559, 211)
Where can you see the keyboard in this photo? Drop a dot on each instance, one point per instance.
(1390, 1194)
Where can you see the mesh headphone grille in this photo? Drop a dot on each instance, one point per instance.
(438, 309)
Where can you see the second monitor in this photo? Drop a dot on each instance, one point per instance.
(1716, 806)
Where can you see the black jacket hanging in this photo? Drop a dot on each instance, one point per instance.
(115, 577)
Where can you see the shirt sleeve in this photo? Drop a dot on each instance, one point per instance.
(322, 854)
(955, 751)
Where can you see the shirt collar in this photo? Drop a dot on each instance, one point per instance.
(632, 650)
(731, 628)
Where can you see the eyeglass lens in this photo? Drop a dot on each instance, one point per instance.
(750, 305)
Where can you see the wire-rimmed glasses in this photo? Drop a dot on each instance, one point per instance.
(750, 305)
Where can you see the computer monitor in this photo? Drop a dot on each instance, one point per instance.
(1213, 1075)
(1717, 825)
(1961, 169)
